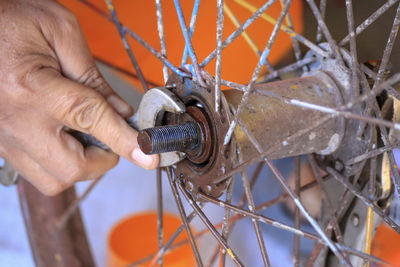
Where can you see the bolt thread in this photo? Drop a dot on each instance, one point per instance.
(168, 138)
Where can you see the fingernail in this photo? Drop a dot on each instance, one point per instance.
(141, 158)
(119, 105)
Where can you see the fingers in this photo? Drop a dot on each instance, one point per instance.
(77, 62)
(35, 174)
(83, 109)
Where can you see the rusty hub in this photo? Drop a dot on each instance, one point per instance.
(201, 167)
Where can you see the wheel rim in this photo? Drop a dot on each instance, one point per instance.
(359, 91)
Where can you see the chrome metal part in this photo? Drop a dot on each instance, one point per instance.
(154, 103)
(8, 176)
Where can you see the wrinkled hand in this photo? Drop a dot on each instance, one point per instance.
(48, 80)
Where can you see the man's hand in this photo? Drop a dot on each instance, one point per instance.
(49, 80)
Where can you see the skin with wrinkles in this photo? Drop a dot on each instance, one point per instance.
(49, 81)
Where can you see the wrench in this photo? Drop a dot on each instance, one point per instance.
(153, 104)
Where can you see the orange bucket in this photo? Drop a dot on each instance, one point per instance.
(135, 238)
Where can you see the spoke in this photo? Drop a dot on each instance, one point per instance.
(389, 47)
(280, 225)
(155, 53)
(210, 226)
(318, 248)
(127, 47)
(63, 219)
(322, 9)
(123, 71)
(257, 71)
(370, 20)
(295, 44)
(160, 224)
(325, 31)
(188, 41)
(160, 27)
(168, 245)
(220, 28)
(285, 29)
(257, 229)
(238, 31)
(372, 153)
(355, 86)
(365, 200)
(329, 110)
(289, 68)
(261, 157)
(385, 139)
(241, 204)
(373, 76)
(128, 31)
(372, 178)
(296, 238)
(192, 25)
(325, 195)
(225, 225)
(298, 203)
(246, 37)
(184, 217)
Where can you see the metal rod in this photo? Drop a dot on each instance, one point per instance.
(210, 226)
(257, 71)
(330, 207)
(285, 29)
(192, 25)
(322, 10)
(188, 41)
(238, 31)
(297, 201)
(127, 46)
(289, 228)
(226, 221)
(355, 70)
(334, 48)
(365, 200)
(389, 47)
(184, 217)
(256, 225)
(161, 35)
(370, 20)
(63, 219)
(220, 28)
(160, 211)
(156, 53)
(296, 238)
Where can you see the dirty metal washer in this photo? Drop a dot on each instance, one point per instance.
(199, 170)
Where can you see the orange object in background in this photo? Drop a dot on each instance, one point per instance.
(386, 245)
(238, 60)
(135, 238)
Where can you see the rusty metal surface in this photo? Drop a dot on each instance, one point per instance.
(200, 171)
(53, 247)
(271, 121)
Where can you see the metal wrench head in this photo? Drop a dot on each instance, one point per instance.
(154, 102)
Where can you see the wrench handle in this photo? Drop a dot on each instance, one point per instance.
(89, 140)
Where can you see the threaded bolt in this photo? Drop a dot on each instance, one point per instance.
(183, 137)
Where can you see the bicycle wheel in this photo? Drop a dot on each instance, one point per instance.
(336, 102)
